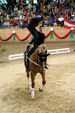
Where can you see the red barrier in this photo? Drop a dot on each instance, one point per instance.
(74, 31)
(6, 38)
(45, 36)
(48, 35)
(24, 38)
(62, 36)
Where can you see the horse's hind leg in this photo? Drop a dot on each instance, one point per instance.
(28, 79)
(43, 81)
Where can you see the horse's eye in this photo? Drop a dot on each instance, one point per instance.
(43, 47)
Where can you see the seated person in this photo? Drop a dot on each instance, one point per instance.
(10, 9)
(60, 21)
(50, 20)
(15, 9)
(74, 12)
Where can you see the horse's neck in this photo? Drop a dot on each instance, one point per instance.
(34, 55)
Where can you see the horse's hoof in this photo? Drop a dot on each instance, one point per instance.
(40, 89)
(32, 97)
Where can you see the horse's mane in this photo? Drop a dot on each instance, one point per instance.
(41, 48)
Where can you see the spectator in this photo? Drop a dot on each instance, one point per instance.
(60, 21)
(56, 10)
(21, 20)
(65, 14)
(15, 9)
(15, 23)
(57, 13)
(50, 20)
(26, 11)
(12, 22)
(60, 11)
(55, 20)
(29, 18)
(2, 22)
(10, 9)
(29, 8)
(41, 7)
(37, 8)
(74, 12)
(1, 10)
(48, 6)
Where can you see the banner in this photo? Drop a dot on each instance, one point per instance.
(68, 24)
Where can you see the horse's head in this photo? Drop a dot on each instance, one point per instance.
(42, 53)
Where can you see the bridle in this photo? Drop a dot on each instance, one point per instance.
(41, 58)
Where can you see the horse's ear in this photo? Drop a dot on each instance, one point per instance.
(47, 54)
(44, 47)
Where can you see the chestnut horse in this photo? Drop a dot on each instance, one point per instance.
(37, 63)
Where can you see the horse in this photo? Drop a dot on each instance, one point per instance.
(37, 62)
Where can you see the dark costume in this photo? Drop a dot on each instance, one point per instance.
(38, 36)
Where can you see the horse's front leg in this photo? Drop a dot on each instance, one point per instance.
(28, 79)
(43, 81)
(33, 85)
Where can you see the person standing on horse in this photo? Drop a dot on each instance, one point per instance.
(38, 36)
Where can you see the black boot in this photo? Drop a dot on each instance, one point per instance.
(26, 61)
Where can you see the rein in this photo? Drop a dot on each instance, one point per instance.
(33, 62)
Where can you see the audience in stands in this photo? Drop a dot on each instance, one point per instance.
(20, 17)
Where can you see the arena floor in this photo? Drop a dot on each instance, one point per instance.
(59, 93)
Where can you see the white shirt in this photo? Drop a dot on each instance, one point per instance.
(61, 19)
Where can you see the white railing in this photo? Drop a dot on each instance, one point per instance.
(52, 52)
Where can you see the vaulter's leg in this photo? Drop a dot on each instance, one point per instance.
(26, 61)
(30, 53)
